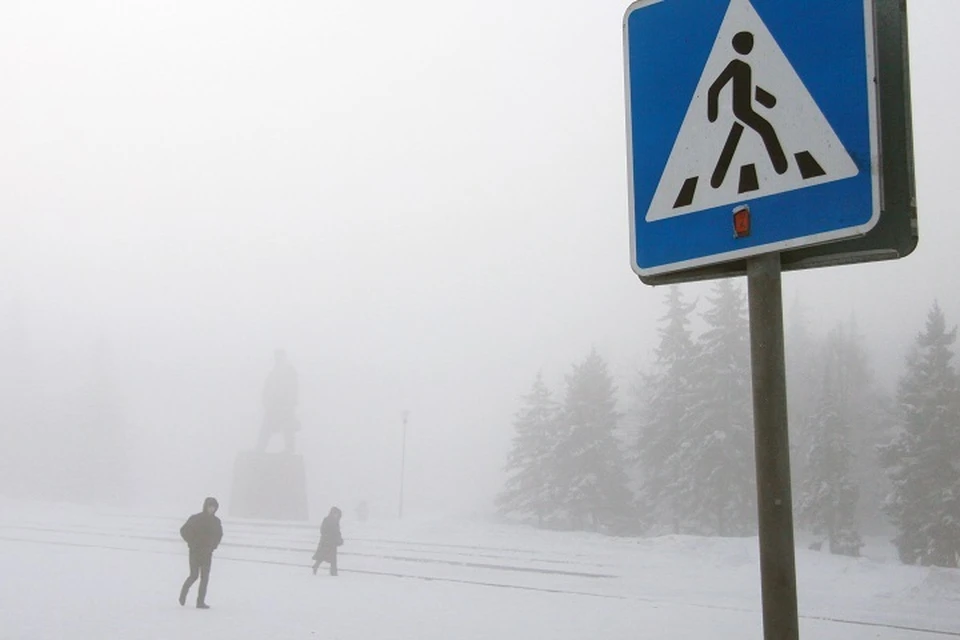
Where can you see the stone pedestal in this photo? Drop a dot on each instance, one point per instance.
(269, 486)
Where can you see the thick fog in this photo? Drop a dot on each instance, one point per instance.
(424, 203)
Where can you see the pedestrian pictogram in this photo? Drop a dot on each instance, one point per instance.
(752, 129)
(739, 75)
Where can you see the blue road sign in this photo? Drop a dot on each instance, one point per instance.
(752, 128)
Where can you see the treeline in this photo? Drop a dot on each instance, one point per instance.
(680, 459)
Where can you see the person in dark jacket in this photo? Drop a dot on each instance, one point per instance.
(202, 532)
(330, 539)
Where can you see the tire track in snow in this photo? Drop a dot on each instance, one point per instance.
(310, 550)
(284, 563)
(863, 623)
(411, 546)
(315, 528)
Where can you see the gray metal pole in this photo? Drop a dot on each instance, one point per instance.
(403, 461)
(778, 575)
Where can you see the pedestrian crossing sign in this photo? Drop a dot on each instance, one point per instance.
(762, 105)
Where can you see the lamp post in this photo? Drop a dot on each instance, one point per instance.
(403, 459)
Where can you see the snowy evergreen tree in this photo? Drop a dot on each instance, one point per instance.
(718, 461)
(828, 497)
(922, 459)
(871, 430)
(530, 486)
(591, 478)
(663, 418)
(863, 405)
(804, 378)
(865, 409)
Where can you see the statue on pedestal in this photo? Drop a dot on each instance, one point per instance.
(280, 396)
(273, 486)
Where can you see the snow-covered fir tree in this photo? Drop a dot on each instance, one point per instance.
(662, 414)
(922, 459)
(864, 405)
(718, 461)
(866, 410)
(591, 478)
(872, 429)
(804, 377)
(530, 490)
(828, 497)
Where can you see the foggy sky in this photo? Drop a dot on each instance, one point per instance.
(424, 203)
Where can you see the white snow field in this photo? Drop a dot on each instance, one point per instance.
(70, 573)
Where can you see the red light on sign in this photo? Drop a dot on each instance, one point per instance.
(741, 222)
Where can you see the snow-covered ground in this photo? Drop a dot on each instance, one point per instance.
(75, 573)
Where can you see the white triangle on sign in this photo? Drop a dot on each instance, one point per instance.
(809, 153)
